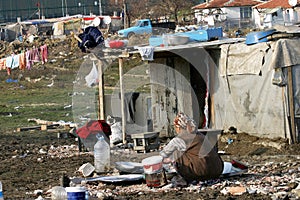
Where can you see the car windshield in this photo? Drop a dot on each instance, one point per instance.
(138, 23)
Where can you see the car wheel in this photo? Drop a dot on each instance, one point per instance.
(130, 35)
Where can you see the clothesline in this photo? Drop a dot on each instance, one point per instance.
(25, 60)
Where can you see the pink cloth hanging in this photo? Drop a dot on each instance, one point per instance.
(35, 55)
(44, 53)
(28, 56)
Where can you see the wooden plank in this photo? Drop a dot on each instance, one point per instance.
(123, 106)
(28, 128)
(144, 135)
(42, 127)
(101, 92)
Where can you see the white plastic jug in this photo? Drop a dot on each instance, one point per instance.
(101, 155)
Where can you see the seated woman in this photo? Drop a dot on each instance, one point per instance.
(194, 157)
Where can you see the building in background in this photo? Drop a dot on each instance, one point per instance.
(13, 10)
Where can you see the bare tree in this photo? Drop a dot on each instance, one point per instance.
(134, 9)
(153, 9)
(173, 8)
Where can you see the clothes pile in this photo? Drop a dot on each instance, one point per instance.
(90, 38)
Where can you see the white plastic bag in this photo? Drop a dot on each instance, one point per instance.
(116, 133)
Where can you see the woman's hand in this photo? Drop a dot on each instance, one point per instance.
(167, 160)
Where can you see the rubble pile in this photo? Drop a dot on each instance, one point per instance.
(277, 180)
(267, 175)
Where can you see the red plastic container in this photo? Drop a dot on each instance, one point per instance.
(116, 44)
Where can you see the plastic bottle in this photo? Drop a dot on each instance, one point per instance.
(1, 192)
(58, 193)
(101, 155)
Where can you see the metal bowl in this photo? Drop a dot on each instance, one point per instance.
(177, 40)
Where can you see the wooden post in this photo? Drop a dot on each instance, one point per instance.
(101, 92)
(123, 108)
(291, 105)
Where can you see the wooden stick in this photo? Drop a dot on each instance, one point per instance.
(76, 37)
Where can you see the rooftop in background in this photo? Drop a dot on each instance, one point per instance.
(226, 3)
(275, 4)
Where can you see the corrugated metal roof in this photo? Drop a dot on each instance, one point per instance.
(226, 3)
(196, 45)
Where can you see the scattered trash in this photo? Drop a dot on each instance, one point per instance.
(58, 193)
(238, 190)
(122, 178)
(39, 198)
(101, 155)
(51, 84)
(42, 151)
(86, 169)
(221, 152)
(1, 191)
(9, 80)
(67, 106)
(76, 193)
(229, 141)
(130, 167)
(116, 130)
(232, 130)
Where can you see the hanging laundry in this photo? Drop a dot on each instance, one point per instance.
(22, 61)
(8, 70)
(28, 56)
(35, 55)
(44, 53)
(12, 62)
(146, 52)
(2, 64)
(9, 62)
(16, 61)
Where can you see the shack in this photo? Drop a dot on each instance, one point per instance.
(225, 83)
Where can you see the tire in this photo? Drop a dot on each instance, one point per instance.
(130, 35)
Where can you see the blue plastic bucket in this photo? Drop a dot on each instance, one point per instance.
(75, 193)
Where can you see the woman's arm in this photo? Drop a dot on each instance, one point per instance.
(175, 144)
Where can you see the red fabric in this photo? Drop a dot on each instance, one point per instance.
(44, 53)
(94, 127)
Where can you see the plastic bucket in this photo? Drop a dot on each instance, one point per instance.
(156, 180)
(75, 193)
(152, 164)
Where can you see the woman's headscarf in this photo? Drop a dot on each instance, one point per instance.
(182, 121)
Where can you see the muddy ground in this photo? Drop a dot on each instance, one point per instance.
(38, 160)
(27, 164)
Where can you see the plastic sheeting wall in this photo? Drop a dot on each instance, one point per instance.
(250, 102)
